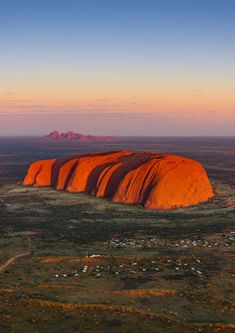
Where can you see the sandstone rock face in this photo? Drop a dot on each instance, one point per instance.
(39, 173)
(155, 181)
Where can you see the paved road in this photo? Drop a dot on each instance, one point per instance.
(13, 259)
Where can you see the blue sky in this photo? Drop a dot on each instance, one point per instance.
(128, 56)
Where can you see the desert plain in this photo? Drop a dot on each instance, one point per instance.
(74, 263)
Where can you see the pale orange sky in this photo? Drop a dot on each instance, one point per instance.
(112, 95)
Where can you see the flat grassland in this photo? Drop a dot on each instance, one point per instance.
(74, 263)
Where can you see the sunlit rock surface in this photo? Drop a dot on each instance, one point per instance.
(155, 181)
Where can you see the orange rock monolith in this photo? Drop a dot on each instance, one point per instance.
(153, 180)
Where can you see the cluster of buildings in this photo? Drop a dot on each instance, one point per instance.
(139, 267)
(218, 240)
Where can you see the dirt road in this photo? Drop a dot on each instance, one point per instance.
(13, 259)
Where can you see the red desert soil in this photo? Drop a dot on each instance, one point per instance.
(153, 180)
(230, 203)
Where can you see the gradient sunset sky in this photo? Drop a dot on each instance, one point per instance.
(117, 67)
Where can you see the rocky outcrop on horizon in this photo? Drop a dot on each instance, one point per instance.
(152, 180)
(55, 135)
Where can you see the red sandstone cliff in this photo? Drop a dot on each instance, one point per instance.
(55, 135)
(155, 181)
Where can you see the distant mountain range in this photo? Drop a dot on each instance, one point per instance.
(55, 135)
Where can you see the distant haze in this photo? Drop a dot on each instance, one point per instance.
(122, 124)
